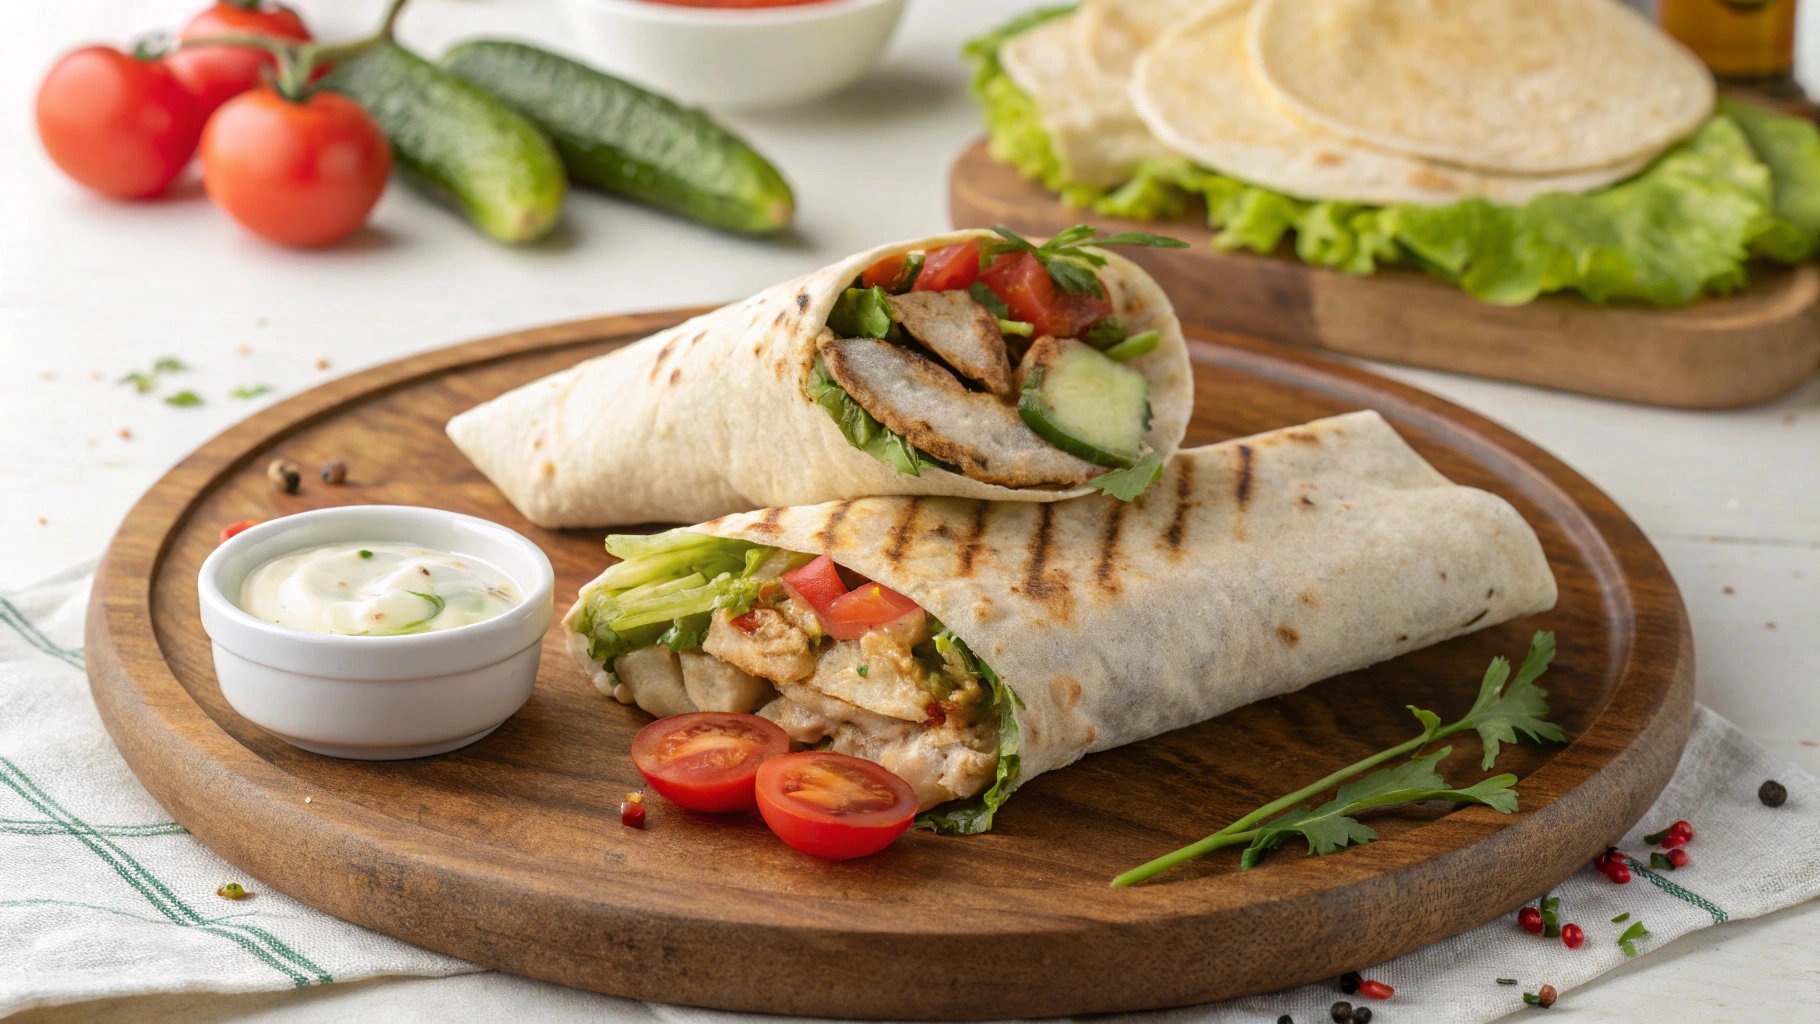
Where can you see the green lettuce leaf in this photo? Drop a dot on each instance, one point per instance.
(1790, 147)
(973, 816)
(665, 590)
(863, 431)
(1016, 133)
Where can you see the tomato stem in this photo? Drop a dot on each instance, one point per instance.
(297, 62)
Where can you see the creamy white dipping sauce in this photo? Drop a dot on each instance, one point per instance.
(374, 588)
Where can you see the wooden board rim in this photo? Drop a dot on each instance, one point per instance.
(163, 734)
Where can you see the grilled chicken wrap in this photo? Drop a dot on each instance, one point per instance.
(971, 645)
(967, 364)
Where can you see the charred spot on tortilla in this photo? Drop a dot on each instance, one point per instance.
(1309, 599)
(662, 354)
(675, 375)
(922, 401)
(1475, 619)
(1242, 489)
(1184, 504)
(802, 301)
(825, 536)
(768, 522)
(961, 332)
(1105, 562)
(903, 531)
(1288, 635)
(1305, 436)
(970, 546)
(1429, 181)
(1306, 500)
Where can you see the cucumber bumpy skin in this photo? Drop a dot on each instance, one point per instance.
(619, 137)
(496, 166)
(1090, 390)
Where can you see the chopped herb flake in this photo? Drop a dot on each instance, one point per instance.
(1507, 981)
(169, 364)
(862, 670)
(183, 399)
(1621, 918)
(250, 391)
(364, 553)
(1628, 941)
(1072, 268)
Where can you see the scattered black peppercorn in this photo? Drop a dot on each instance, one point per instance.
(1772, 793)
(284, 475)
(1349, 982)
(1286, 1019)
(1361, 1015)
(1341, 1013)
(334, 472)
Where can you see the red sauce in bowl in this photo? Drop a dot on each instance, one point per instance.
(741, 4)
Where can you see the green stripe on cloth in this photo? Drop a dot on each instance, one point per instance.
(15, 618)
(22, 827)
(1719, 916)
(258, 942)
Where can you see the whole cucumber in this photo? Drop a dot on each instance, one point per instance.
(622, 138)
(497, 167)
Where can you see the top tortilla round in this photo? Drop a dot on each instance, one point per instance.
(1509, 86)
(1113, 33)
(1196, 91)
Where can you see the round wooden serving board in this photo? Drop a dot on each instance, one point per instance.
(1715, 354)
(510, 852)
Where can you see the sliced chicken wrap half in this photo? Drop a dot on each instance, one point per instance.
(968, 364)
(969, 646)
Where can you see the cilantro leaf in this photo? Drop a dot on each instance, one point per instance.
(183, 398)
(1501, 712)
(169, 364)
(988, 298)
(250, 391)
(1628, 941)
(1126, 484)
(141, 382)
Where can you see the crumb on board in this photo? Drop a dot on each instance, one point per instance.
(43, 521)
(1769, 625)
(322, 364)
(126, 433)
(244, 350)
(1729, 590)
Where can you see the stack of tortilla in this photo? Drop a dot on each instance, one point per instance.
(1372, 101)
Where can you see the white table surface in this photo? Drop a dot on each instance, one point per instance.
(90, 289)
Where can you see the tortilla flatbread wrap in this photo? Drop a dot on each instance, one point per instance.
(735, 409)
(1198, 93)
(1509, 86)
(1256, 567)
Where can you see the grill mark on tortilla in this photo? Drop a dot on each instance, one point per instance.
(676, 375)
(662, 354)
(1037, 582)
(1476, 618)
(1184, 503)
(1305, 436)
(903, 531)
(1288, 636)
(825, 536)
(971, 544)
(768, 523)
(802, 302)
(1309, 599)
(1105, 565)
(1242, 490)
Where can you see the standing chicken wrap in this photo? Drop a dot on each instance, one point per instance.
(971, 364)
(971, 645)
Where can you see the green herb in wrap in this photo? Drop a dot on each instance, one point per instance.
(863, 431)
(666, 590)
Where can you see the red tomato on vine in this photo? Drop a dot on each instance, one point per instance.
(216, 74)
(297, 172)
(119, 123)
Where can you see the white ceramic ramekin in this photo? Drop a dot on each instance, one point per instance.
(737, 57)
(377, 698)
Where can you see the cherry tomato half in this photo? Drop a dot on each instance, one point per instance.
(818, 583)
(706, 760)
(216, 74)
(950, 268)
(1025, 286)
(122, 126)
(832, 805)
(866, 607)
(302, 174)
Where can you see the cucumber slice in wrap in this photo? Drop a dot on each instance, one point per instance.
(1087, 405)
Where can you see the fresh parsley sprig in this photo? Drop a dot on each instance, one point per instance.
(1500, 712)
(1072, 267)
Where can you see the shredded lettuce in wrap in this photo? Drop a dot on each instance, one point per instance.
(863, 431)
(666, 590)
(973, 816)
(1745, 185)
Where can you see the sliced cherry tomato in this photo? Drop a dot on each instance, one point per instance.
(122, 126)
(868, 607)
(950, 268)
(706, 760)
(818, 583)
(1021, 281)
(236, 528)
(882, 274)
(297, 173)
(832, 805)
(216, 74)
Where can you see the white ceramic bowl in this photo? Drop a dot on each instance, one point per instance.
(740, 57)
(377, 698)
